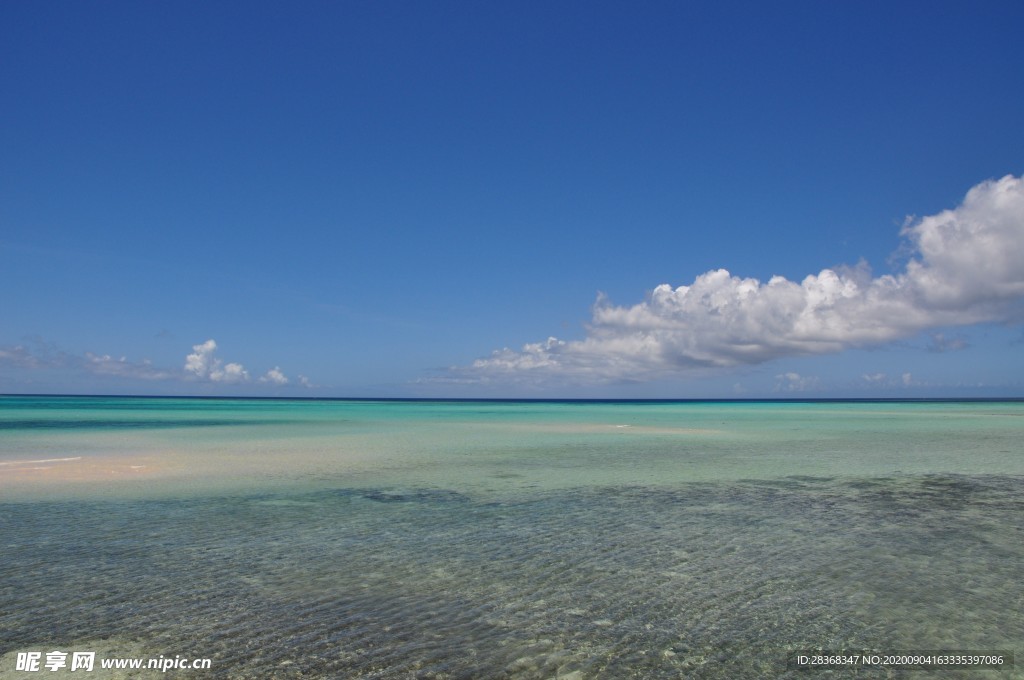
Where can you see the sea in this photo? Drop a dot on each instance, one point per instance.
(511, 539)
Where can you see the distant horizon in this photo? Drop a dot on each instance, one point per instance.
(648, 400)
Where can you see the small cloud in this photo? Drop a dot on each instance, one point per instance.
(47, 356)
(39, 354)
(18, 356)
(204, 365)
(875, 378)
(232, 373)
(107, 365)
(940, 343)
(275, 376)
(202, 361)
(794, 382)
(305, 382)
(907, 379)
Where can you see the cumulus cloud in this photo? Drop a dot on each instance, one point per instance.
(201, 360)
(275, 376)
(966, 266)
(230, 373)
(202, 364)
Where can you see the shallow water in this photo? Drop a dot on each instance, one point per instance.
(509, 540)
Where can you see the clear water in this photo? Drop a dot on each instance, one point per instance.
(510, 540)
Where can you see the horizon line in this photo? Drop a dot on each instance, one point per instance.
(665, 400)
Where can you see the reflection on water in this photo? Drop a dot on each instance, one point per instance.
(693, 580)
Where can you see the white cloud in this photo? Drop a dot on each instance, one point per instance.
(201, 364)
(46, 356)
(204, 365)
(941, 343)
(18, 356)
(794, 382)
(107, 365)
(966, 267)
(202, 361)
(231, 373)
(275, 376)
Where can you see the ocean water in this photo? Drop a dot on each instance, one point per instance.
(360, 539)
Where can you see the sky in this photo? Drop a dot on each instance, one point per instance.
(512, 199)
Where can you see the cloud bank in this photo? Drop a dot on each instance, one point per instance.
(45, 356)
(107, 365)
(966, 266)
(201, 365)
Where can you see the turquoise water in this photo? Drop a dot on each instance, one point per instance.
(510, 539)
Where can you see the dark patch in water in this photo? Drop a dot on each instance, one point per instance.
(416, 496)
(811, 479)
(868, 484)
(132, 424)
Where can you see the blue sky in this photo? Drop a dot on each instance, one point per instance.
(411, 198)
